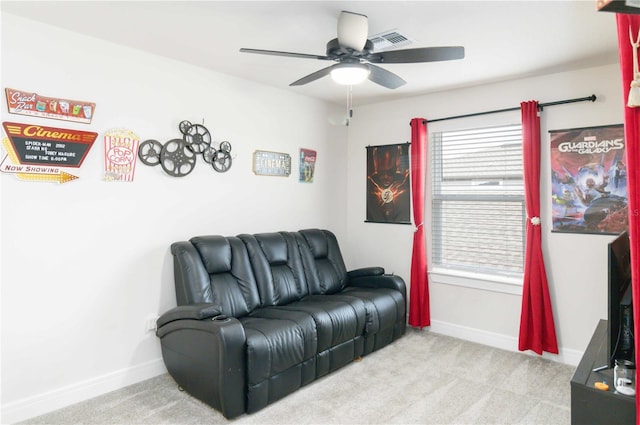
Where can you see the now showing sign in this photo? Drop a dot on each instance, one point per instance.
(39, 145)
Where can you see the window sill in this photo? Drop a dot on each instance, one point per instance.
(502, 284)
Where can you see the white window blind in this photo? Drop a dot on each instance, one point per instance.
(478, 212)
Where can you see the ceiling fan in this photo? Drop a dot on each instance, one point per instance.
(355, 57)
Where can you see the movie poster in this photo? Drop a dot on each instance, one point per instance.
(589, 180)
(307, 165)
(388, 194)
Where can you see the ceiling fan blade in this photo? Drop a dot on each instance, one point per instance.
(312, 77)
(385, 78)
(287, 54)
(424, 54)
(352, 30)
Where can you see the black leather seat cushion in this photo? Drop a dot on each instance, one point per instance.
(386, 305)
(336, 321)
(275, 345)
(281, 349)
(388, 308)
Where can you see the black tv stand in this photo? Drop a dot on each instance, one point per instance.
(589, 405)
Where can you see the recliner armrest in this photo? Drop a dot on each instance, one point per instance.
(380, 281)
(365, 271)
(205, 354)
(192, 311)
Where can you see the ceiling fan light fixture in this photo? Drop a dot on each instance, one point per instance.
(349, 74)
(355, 57)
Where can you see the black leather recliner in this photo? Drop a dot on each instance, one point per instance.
(262, 315)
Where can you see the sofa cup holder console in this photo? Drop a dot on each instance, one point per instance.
(221, 318)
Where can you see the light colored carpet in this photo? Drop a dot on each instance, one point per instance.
(423, 378)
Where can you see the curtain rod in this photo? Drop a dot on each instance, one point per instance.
(541, 106)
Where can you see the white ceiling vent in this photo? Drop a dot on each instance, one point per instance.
(389, 40)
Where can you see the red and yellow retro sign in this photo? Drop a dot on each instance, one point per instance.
(36, 152)
(26, 103)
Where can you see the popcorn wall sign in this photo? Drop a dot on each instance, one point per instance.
(120, 154)
(32, 104)
(38, 153)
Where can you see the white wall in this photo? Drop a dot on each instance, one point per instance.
(86, 262)
(576, 264)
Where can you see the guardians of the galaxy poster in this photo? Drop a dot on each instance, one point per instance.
(589, 180)
(388, 182)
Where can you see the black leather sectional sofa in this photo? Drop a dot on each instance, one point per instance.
(262, 315)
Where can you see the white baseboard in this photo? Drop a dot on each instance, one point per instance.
(53, 400)
(505, 342)
(57, 399)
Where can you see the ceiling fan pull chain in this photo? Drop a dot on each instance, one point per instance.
(349, 104)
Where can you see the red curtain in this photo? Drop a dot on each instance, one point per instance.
(632, 145)
(419, 313)
(537, 330)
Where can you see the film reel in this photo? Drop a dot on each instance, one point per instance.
(197, 138)
(221, 161)
(225, 146)
(184, 126)
(208, 154)
(149, 152)
(176, 158)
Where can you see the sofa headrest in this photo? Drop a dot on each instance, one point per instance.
(274, 247)
(317, 242)
(215, 252)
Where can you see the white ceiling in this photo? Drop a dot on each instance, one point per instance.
(502, 39)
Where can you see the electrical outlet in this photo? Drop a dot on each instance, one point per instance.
(150, 323)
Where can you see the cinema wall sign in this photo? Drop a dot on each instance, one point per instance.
(37, 153)
(266, 163)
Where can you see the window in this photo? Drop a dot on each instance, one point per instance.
(478, 211)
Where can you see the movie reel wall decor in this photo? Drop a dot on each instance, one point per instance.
(177, 157)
